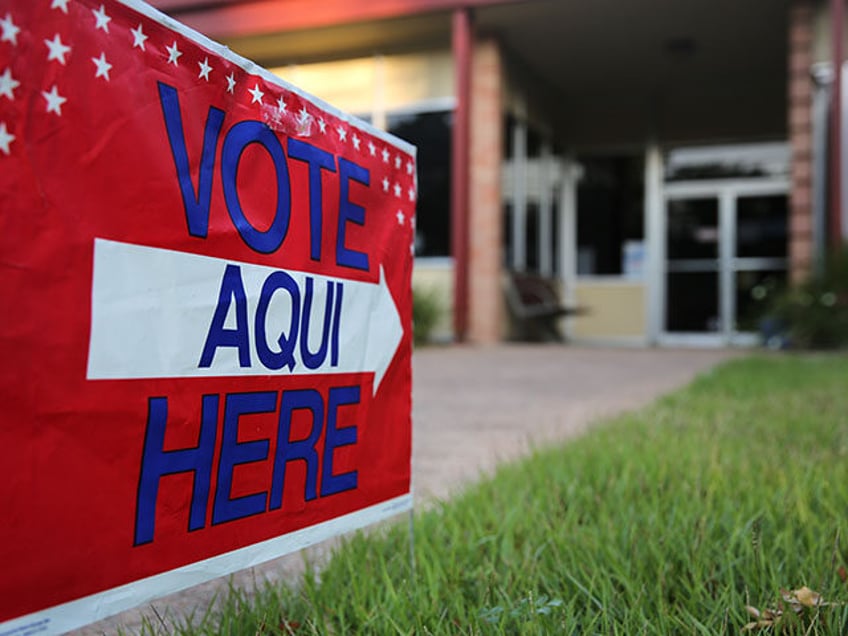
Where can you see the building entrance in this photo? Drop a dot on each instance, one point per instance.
(724, 255)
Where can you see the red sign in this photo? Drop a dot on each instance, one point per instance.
(205, 277)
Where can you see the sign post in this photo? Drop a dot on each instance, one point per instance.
(205, 359)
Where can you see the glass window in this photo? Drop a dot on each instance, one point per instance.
(509, 127)
(610, 211)
(531, 242)
(762, 226)
(507, 234)
(534, 142)
(693, 302)
(724, 162)
(431, 133)
(692, 229)
(554, 237)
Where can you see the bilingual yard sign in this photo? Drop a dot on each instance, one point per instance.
(205, 286)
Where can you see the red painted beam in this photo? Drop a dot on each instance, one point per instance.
(253, 17)
(461, 138)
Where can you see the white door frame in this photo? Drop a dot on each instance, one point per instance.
(727, 191)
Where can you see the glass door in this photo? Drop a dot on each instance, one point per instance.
(692, 265)
(760, 263)
(725, 255)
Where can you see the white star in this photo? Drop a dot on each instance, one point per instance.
(400, 217)
(409, 167)
(57, 49)
(101, 18)
(6, 138)
(231, 82)
(411, 194)
(385, 184)
(102, 66)
(385, 156)
(10, 30)
(303, 116)
(173, 53)
(397, 162)
(342, 133)
(257, 94)
(204, 69)
(356, 141)
(138, 37)
(281, 105)
(397, 189)
(372, 148)
(54, 100)
(8, 84)
(322, 125)
(60, 4)
(412, 248)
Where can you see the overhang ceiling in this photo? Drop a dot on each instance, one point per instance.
(615, 45)
(656, 59)
(624, 71)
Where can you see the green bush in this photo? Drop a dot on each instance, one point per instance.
(426, 310)
(814, 315)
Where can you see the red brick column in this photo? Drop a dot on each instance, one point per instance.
(485, 236)
(800, 101)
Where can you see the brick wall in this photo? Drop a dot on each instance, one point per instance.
(485, 249)
(800, 100)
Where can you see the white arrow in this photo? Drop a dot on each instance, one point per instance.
(152, 310)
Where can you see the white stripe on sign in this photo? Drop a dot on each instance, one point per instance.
(83, 611)
(158, 313)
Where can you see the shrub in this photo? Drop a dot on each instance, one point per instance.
(814, 315)
(426, 310)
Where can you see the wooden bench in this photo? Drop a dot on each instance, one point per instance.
(536, 306)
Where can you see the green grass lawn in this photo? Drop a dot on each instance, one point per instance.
(669, 520)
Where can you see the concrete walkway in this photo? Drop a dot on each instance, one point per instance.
(475, 407)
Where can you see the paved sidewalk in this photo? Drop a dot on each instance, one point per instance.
(475, 407)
